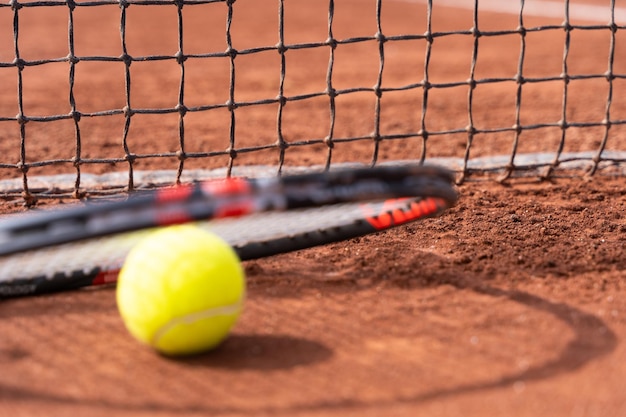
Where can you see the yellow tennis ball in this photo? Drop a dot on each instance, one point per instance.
(181, 290)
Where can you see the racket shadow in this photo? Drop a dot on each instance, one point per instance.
(592, 337)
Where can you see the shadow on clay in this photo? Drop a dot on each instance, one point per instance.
(260, 352)
(592, 339)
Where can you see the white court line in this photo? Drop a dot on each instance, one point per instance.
(555, 9)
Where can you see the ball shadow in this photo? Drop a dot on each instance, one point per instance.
(260, 352)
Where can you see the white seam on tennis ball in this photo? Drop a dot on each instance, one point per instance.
(193, 317)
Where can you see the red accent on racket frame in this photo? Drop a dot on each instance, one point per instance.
(395, 216)
(227, 186)
(106, 277)
(177, 193)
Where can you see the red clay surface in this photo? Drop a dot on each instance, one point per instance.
(512, 303)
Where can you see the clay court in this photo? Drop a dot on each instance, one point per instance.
(509, 304)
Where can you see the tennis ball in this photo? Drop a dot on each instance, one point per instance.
(180, 290)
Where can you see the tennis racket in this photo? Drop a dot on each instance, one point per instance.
(86, 245)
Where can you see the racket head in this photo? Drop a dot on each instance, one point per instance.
(223, 198)
(98, 261)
